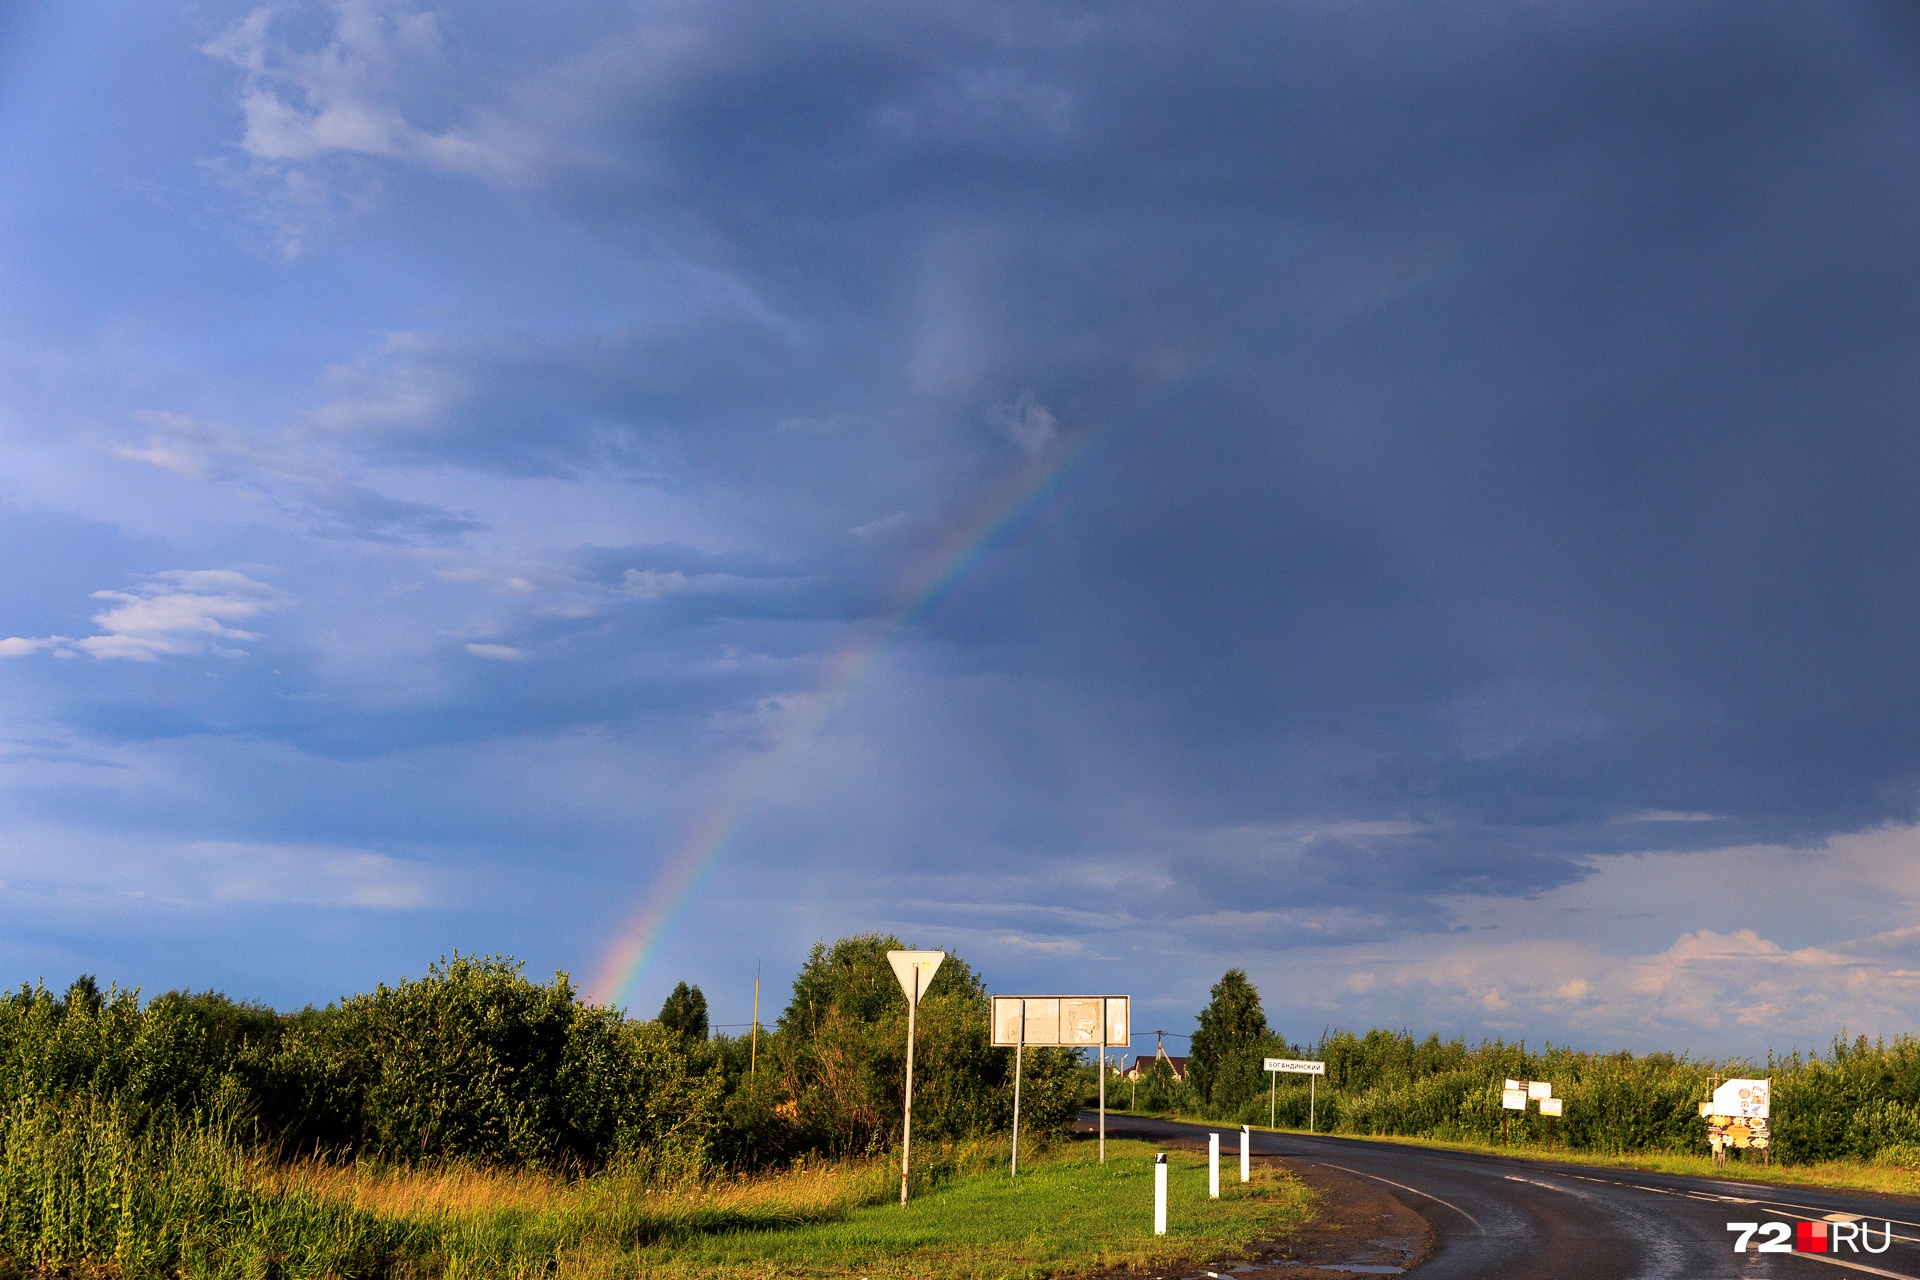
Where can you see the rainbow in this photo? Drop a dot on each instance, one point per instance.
(929, 586)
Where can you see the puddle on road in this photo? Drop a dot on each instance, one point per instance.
(1384, 1256)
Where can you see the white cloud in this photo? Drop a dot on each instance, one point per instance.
(1027, 422)
(299, 875)
(300, 106)
(18, 647)
(178, 613)
(343, 100)
(888, 528)
(498, 652)
(657, 584)
(309, 480)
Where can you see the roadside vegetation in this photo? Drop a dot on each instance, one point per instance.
(1850, 1115)
(474, 1121)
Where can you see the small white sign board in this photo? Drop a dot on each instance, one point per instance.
(1072, 1021)
(1538, 1089)
(1514, 1099)
(1550, 1106)
(1297, 1066)
(909, 964)
(1743, 1098)
(1513, 1084)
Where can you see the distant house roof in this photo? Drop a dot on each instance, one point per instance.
(1143, 1063)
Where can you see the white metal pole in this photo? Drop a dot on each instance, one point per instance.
(1312, 1084)
(1019, 1050)
(1273, 1087)
(1246, 1161)
(1213, 1165)
(1160, 1194)
(906, 1123)
(1103, 1079)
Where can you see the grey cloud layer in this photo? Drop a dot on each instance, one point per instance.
(1496, 424)
(1524, 391)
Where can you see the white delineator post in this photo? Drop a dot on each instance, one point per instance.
(1160, 1194)
(1213, 1165)
(1246, 1159)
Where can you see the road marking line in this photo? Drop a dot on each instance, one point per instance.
(1776, 1204)
(1514, 1177)
(1429, 1195)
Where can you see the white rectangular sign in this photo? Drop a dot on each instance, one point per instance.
(1550, 1106)
(1538, 1089)
(1514, 1099)
(1298, 1066)
(1071, 1021)
(1742, 1098)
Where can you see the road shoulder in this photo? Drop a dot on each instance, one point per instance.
(1357, 1223)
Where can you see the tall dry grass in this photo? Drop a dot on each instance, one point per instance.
(83, 1192)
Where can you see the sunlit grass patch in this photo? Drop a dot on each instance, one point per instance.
(1065, 1213)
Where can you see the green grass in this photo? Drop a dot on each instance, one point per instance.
(79, 1196)
(1066, 1213)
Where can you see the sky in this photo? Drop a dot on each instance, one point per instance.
(1414, 501)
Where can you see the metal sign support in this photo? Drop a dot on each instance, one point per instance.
(914, 969)
(1103, 1080)
(906, 1121)
(1019, 1051)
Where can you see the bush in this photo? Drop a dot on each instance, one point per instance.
(841, 1050)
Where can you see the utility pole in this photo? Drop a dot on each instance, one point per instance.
(753, 1058)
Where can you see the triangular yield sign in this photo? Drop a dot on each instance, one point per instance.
(905, 963)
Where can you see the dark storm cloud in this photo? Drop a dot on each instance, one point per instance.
(1528, 392)
(1507, 411)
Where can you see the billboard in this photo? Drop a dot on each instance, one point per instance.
(1744, 1099)
(1072, 1022)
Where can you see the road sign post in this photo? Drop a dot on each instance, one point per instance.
(1160, 1194)
(915, 969)
(1213, 1165)
(1067, 1021)
(1103, 1091)
(1019, 1051)
(1308, 1067)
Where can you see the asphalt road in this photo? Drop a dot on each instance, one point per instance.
(1495, 1217)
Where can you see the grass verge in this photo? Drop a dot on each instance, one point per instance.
(1067, 1213)
(1841, 1175)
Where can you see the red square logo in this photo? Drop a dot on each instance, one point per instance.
(1809, 1237)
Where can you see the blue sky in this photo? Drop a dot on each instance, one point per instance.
(443, 450)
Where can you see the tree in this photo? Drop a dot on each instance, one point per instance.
(685, 1013)
(1232, 1029)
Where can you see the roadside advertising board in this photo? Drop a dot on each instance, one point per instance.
(1070, 1021)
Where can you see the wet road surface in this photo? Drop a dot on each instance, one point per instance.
(1497, 1217)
